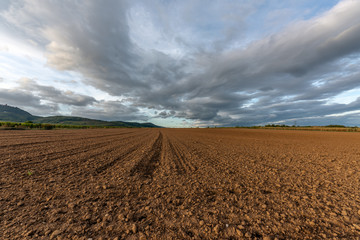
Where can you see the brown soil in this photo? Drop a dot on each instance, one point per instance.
(179, 184)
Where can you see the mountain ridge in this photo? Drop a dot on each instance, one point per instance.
(15, 114)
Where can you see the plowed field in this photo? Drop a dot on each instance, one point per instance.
(179, 184)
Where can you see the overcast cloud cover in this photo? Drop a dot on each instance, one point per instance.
(184, 63)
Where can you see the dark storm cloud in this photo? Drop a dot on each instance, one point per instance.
(286, 75)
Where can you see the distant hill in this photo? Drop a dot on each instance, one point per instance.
(69, 120)
(14, 114)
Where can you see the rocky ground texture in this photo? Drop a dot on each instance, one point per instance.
(179, 184)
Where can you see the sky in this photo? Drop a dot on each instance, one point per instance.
(184, 63)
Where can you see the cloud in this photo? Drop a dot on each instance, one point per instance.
(288, 63)
(40, 99)
(18, 97)
(27, 101)
(184, 60)
(54, 95)
(47, 100)
(110, 110)
(165, 114)
(4, 49)
(90, 37)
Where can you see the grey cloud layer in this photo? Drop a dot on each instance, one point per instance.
(27, 100)
(40, 99)
(54, 95)
(110, 110)
(285, 75)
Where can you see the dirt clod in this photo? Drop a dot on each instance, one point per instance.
(134, 228)
(247, 234)
(55, 234)
(216, 229)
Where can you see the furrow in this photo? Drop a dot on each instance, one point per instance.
(182, 152)
(88, 163)
(178, 160)
(121, 153)
(119, 158)
(26, 144)
(41, 151)
(48, 157)
(148, 164)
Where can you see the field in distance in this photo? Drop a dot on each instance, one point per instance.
(179, 184)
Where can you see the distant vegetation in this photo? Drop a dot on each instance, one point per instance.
(15, 116)
(276, 125)
(43, 126)
(336, 126)
(339, 128)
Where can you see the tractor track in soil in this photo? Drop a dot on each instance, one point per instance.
(147, 165)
